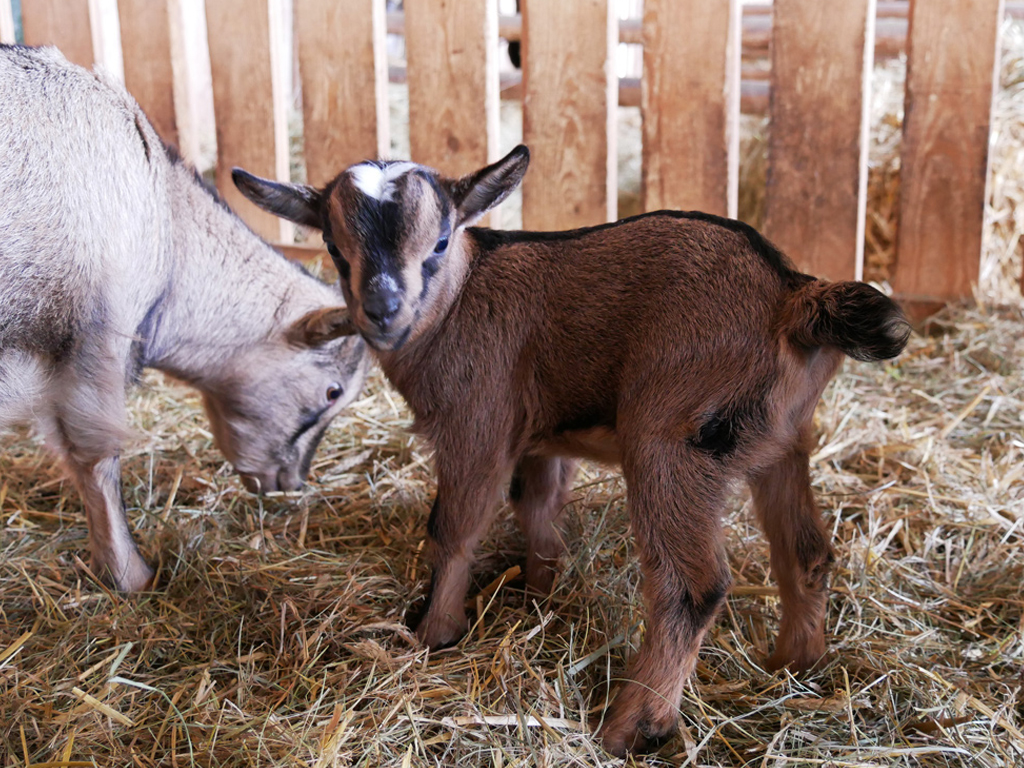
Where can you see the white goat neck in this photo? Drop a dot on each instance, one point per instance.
(376, 182)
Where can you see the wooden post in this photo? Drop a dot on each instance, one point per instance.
(248, 102)
(951, 69)
(569, 111)
(149, 62)
(452, 50)
(6, 22)
(343, 67)
(66, 24)
(690, 103)
(822, 55)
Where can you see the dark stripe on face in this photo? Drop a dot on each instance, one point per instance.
(433, 262)
(378, 227)
(307, 459)
(442, 198)
(308, 422)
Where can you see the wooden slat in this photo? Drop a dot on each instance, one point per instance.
(64, 23)
(944, 158)
(6, 22)
(249, 110)
(452, 49)
(890, 35)
(343, 66)
(753, 91)
(817, 149)
(148, 65)
(569, 98)
(690, 103)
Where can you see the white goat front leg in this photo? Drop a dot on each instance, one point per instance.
(89, 428)
(115, 557)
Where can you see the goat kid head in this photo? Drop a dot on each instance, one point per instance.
(272, 403)
(395, 232)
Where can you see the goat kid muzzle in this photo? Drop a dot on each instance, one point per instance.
(382, 308)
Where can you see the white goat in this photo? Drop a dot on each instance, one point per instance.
(115, 257)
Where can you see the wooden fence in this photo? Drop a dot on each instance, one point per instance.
(699, 71)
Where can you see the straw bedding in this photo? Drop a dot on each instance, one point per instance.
(279, 633)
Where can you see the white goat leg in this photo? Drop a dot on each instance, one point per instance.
(115, 558)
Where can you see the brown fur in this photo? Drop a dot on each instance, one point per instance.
(681, 345)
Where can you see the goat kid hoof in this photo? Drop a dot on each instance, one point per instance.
(440, 634)
(796, 663)
(631, 735)
(539, 586)
(135, 577)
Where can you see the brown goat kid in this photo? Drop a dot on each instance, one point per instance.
(681, 345)
(114, 258)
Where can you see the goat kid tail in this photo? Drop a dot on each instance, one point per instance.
(860, 320)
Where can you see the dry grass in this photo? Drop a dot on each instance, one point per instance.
(278, 636)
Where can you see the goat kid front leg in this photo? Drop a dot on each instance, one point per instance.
(87, 430)
(463, 509)
(539, 492)
(115, 557)
(675, 495)
(801, 555)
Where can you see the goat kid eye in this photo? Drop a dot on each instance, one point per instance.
(340, 264)
(334, 392)
(442, 245)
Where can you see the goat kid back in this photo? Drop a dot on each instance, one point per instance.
(683, 346)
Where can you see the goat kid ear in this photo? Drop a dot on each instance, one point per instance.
(479, 192)
(321, 326)
(294, 202)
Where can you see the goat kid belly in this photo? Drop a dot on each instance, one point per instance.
(600, 444)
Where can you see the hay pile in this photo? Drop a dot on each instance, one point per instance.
(279, 638)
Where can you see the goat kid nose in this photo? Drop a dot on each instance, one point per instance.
(380, 307)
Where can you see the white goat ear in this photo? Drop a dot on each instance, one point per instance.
(479, 192)
(320, 326)
(295, 202)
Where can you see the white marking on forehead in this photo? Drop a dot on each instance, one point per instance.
(383, 282)
(376, 182)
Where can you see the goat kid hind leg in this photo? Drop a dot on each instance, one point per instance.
(675, 496)
(801, 554)
(539, 492)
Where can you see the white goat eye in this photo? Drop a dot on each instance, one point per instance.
(442, 245)
(334, 392)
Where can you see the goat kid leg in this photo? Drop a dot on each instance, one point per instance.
(675, 507)
(115, 557)
(463, 509)
(87, 429)
(539, 492)
(801, 556)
